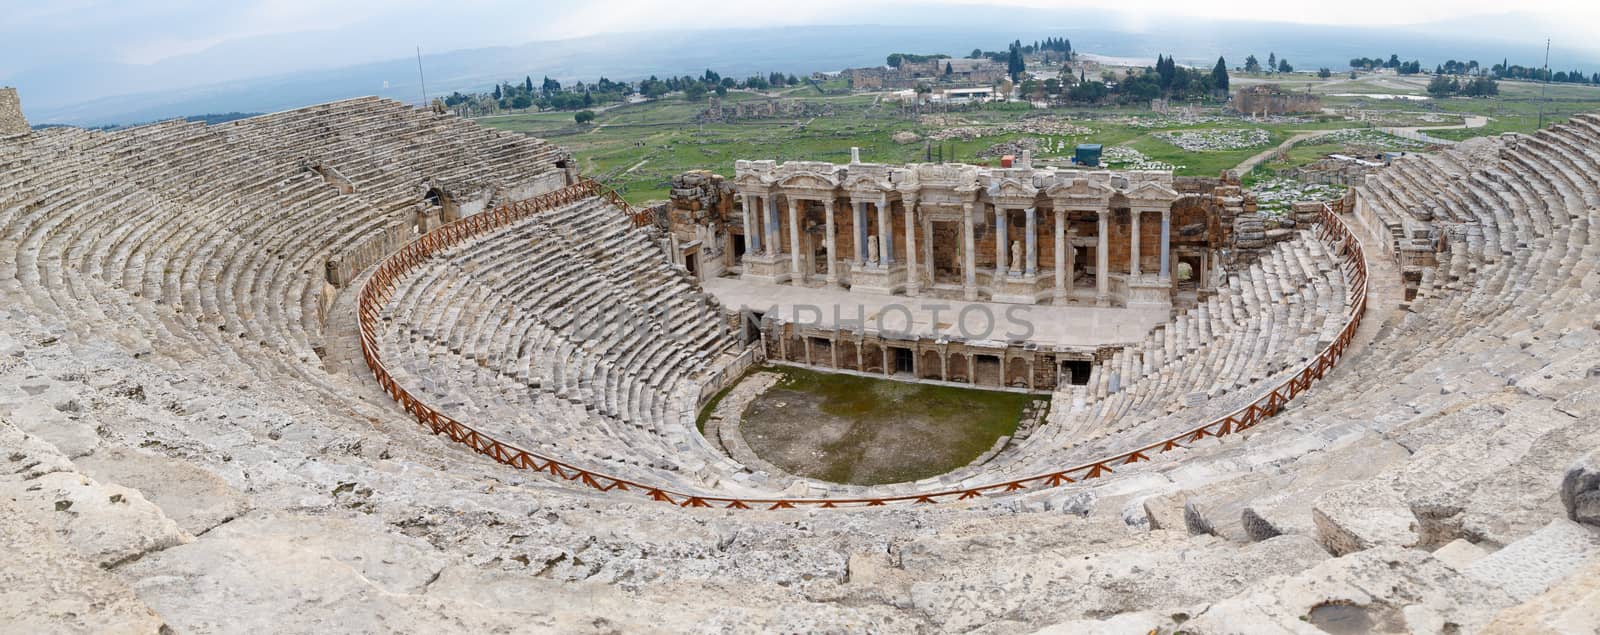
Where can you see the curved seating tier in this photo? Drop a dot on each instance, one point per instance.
(165, 329)
(566, 333)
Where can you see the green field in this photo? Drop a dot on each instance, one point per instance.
(867, 431)
(638, 148)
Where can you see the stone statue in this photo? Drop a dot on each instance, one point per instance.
(872, 249)
(1016, 256)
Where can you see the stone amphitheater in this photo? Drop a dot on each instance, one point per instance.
(350, 368)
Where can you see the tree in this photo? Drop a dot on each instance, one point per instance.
(895, 59)
(1219, 75)
(1394, 61)
(1442, 86)
(948, 70)
(694, 91)
(497, 94)
(583, 116)
(522, 102)
(1324, 72)
(1272, 62)
(977, 54)
(1088, 92)
(527, 84)
(1481, 87)
(1166, 70)
(1284, 67)
(1014, 63)
(1251, 65)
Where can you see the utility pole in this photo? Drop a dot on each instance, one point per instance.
(422, 79)
(1546, 86)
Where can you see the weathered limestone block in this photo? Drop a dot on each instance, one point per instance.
(191, 496)
(295, 573)
(1284, 505)
(1460, 553)
(1362, 516)
(1580, 490)
(107, 524)
(1570, 607)
(1389, 588)
(45, 587)
(1525, 568)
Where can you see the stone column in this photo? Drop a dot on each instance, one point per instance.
(1102, 261)
(1072, 260)
(1133, 247)
(794, 244)
(913, 279)
(1002, 245)
(830, 241)
(969, 264)
(759, 215)
(860, 220)
(1031, 267)
(1166, 243)
(1063, 272)
(771, 225)
(749, 230)
(885, 234)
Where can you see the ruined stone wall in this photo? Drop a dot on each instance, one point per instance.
(908, 75)
(866, 78)
(762, 109)
(702, 210)
(11, 119)
(1269, 99)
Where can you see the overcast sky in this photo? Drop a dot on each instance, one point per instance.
(66, 33)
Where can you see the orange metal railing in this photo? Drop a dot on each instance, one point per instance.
(380, 286)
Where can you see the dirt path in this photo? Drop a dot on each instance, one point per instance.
(1249, 164)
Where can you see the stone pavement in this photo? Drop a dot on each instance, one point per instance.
(1060, 327)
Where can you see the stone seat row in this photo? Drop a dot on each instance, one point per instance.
(184, 241)
(572, 305)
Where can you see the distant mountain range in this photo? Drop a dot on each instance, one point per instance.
(119, 94)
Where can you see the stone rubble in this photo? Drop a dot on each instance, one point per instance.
(1216, 140)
